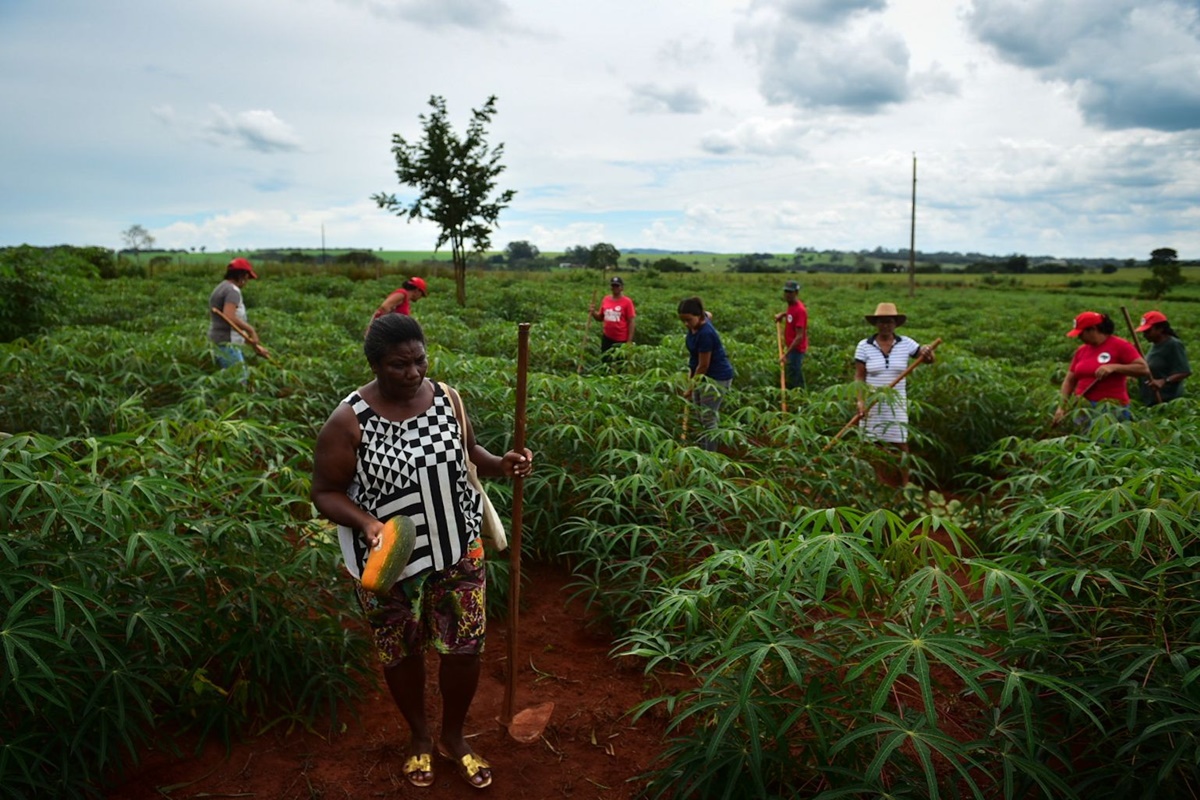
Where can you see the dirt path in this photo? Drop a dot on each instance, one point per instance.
(589, 750)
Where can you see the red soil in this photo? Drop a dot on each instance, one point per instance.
(590, 748)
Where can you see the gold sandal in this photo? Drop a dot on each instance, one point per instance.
(469, 767)
(419, 770)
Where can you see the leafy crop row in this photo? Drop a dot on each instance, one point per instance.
(1032, 633)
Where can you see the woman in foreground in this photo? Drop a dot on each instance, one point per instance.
(395, 447)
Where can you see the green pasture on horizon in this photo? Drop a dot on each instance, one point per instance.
(402, 261)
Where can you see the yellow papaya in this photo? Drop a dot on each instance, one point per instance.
(388, 559)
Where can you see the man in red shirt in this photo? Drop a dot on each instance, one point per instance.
(795, 335)
(618, 314)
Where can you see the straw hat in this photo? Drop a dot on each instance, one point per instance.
(887, 310)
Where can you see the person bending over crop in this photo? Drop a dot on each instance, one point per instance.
(228, 329)
(392, 447)
(709, 372)
(1167, 360)
(878, 361)
(400, 301)
(1100, 366)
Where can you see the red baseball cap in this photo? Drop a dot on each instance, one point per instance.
(1150, 319)
(1088, 319)
(242, 265)
(419, 283)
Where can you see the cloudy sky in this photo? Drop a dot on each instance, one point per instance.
(1064, 127)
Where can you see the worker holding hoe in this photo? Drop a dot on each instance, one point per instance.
(795, 335)
(227, 325)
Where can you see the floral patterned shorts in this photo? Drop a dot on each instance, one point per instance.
(439, 610)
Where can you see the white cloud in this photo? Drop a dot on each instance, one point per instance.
(1070, 122)
(848, 61)
(1133, 63)
(478, 15)
(257, 129)
(758, 136)
(653, 99)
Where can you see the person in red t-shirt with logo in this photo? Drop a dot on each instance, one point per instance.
(618, 314)
(1100, 366)
(795, 335)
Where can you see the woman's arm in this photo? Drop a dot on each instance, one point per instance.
(244, 328)
(1065, 392)
(391, 301)
(334, 461)
(860, 380)
(1134, 369)
(1175, 377)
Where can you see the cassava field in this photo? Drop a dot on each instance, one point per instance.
(1022, 621)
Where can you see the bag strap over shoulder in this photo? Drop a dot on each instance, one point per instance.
(459, 414)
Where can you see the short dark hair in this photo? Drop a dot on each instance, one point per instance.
(388, 331)
(1106, 325)
(691, 305)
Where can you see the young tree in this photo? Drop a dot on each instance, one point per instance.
(455, 179)
(521, 251)
(137, 239)
(604, 257)
(1164, 269)
(580, 255)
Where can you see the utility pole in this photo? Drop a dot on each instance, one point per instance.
(912, 237)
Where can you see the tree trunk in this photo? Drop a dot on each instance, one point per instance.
(460, 270)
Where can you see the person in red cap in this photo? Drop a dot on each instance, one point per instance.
(1167, 360)
(795, 335)
(1100, 366)
(227, 325)
(401, 300)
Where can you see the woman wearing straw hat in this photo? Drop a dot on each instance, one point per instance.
(878, 361)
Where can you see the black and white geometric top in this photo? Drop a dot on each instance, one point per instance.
(418, 468)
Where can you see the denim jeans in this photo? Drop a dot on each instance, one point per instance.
(795, 370)
(229, 355)
(707, 396)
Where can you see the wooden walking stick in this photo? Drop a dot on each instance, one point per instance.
(859, 415)
(236, 324)
(782, 368)
(586, 326)
(1133, 338)
(687, 407)
(527, 726)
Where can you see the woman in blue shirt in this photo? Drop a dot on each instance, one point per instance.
(709, 370)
